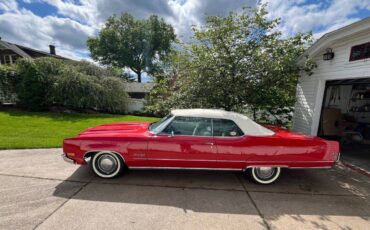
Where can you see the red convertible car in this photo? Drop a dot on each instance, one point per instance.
(199, 139)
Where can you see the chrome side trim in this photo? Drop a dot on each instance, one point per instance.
(191, 160)
(285, 166)
(184, 168)
(291, 161)
(319, 167)
(221, 169)
(66, 159)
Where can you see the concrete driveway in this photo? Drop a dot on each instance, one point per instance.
(38, 190)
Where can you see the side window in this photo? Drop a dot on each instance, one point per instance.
(190, 126)
(226, 128)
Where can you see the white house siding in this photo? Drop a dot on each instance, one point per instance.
(135, 105)
(310, 89)
(304, 107)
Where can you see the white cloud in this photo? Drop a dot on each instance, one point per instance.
(68, 32)
(72, 54)
(75, 20)
(322, 16)
(25, 28)
(194, 12)
(85, 11)
(182, 14)
(8, 5)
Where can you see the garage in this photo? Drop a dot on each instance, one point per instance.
(334, 101)
(345, 117)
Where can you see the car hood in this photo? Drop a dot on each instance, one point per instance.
(116, 129)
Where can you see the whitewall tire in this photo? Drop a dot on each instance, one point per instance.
(264, 175)
(107, 164)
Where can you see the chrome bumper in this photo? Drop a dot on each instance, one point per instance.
(66, 159)
(338, 159)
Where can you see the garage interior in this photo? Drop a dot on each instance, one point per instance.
(345, 117)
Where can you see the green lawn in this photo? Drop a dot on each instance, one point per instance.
(45, 130)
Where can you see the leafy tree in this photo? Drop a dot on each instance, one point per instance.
(173, 74)
(241, 61)
(135, 44)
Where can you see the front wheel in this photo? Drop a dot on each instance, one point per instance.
(264, 175)
(107, 164)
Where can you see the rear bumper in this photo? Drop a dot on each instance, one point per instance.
(338, 159)
(66, 159)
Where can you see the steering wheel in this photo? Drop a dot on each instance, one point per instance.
(172, 129)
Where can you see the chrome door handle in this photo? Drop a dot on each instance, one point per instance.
(210, 143)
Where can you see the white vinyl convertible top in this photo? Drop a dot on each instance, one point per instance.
(248, 126)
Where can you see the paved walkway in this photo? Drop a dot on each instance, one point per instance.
(40, 191)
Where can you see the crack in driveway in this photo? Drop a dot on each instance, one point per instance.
(62, 204)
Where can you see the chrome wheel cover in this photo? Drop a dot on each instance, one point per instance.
(265, 173)
(107, 164)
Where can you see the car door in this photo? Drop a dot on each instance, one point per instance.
(187, 142)
(231, 144)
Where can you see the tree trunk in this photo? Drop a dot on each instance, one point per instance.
(139, 76)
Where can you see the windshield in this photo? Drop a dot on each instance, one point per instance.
(156, 126)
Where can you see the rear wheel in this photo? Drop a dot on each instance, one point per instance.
(107, 164)
(264, 175)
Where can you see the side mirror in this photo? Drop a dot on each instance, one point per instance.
(172, 134)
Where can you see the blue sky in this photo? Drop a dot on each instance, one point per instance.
(68, 23)
(39, 8)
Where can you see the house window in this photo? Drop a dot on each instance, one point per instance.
(137, 95)
(360, 52)
(7, 59)
(10, 59)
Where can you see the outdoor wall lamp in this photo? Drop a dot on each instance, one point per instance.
(328, 55)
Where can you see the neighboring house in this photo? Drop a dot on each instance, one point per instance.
(334, 102)
(10, 52)
(137, 92)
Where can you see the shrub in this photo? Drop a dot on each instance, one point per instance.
(76, 90)
(113, 98)
(32, 87)
(48, 66)
(7, 83)
(44, 82)
(91, 69)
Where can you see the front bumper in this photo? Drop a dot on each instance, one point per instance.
(66, 159)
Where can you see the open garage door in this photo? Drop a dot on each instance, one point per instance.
(345, 117)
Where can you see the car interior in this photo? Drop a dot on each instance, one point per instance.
(196, 126)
